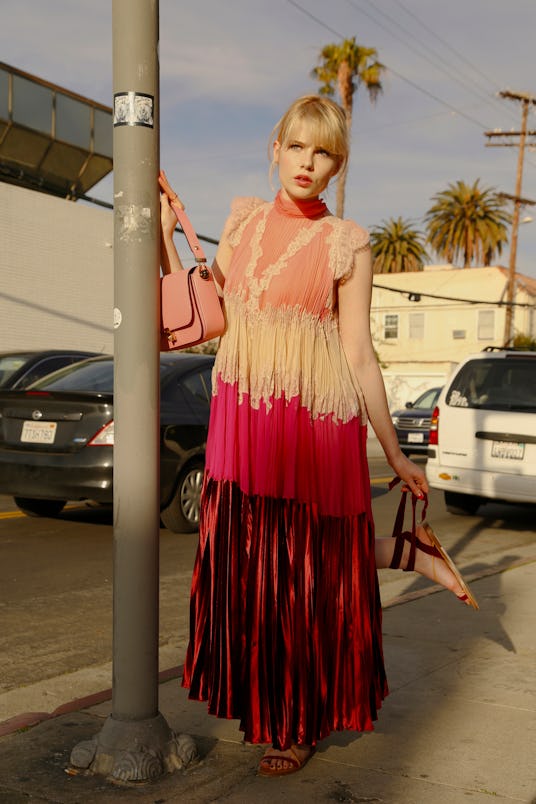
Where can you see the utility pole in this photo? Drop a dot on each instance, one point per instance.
(526, 102)
(135, 743)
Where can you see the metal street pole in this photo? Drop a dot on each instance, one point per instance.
(135, 743)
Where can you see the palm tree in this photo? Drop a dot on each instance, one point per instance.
(397, 247)
(345, 67)
(468, 224)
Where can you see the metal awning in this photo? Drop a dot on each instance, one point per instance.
(51, 139)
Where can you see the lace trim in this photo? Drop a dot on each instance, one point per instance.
(242, 210)
(345, 241)
(257, 286)
(287, 352)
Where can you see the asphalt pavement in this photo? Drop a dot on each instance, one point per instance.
(459, 724)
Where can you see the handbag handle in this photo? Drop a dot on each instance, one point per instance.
(182, 217)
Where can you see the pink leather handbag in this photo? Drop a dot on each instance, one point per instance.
(191, 311)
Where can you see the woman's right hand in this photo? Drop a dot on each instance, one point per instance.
(168, 190)
(168, 196)
(168, 219)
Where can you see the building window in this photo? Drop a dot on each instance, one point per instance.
(416, 326)
(390, 326)
(486, 325)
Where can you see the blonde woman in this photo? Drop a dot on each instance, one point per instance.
(285, 608)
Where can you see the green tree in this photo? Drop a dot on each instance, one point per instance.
(397, 247)
(343, 68)
(468, 224)
(525, 342)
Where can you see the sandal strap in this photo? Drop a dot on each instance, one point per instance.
(407, 536)
(268, 758)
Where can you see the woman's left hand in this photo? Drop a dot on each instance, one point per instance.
(411, 474)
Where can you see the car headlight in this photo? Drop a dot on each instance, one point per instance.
(395, 420)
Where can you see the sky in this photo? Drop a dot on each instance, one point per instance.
(230, 68)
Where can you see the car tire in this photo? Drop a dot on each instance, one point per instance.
(406, 452)
(182, 513)
(461, 503)
(36, 507)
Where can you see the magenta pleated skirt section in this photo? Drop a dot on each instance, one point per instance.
(285, 616)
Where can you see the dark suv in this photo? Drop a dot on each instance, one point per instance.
(412, 425)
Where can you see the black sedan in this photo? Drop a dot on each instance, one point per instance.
(412, 425)
(56, 438)
(21, 369)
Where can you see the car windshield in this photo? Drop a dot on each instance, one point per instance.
(91, 376)
(427, 400)
(95, 376)
(9, 364)
(496, 384)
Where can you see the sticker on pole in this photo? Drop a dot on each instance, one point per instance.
(133, 109)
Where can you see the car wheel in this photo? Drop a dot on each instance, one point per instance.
(33, 507)
(406, 452)
(182, 514)
(461, 503)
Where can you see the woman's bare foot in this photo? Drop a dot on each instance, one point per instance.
(431, 560)
(279, 763)
(432, 567)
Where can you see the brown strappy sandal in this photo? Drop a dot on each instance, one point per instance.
(295, 763)
(436, 549)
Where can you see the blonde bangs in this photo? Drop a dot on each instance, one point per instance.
(326, 120)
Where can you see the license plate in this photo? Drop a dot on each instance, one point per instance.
(415, 438)
(38, 432)
(507, 449)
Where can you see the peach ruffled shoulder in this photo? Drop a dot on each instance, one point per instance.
(348, 240)
(242, 209)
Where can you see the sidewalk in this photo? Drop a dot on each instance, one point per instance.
(459, 724)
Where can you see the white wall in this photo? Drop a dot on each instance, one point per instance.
(56, 273)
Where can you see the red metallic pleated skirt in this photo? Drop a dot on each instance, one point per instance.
(285, 616)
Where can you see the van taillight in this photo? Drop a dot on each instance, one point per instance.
(434, 427)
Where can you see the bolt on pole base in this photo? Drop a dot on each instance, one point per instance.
(133, 751)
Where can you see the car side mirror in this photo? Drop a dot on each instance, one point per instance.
(409, 404)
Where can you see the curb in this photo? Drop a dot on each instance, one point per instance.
(29, 719)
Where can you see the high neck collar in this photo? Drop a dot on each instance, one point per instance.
(312, 208)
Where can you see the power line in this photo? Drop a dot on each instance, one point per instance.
(391, 70)
(408, 293)
(444, 66)
(460, 56)
(418, 294)
(414, 293)
(107, 205)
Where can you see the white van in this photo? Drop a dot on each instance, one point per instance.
(483, 432)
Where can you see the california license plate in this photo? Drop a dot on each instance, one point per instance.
(38, 432)
(507, 449)
(415, 438)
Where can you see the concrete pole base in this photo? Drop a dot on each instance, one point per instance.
(134, 751)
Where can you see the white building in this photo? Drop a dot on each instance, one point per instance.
(56, 264)
(56, 273)
(424, 322)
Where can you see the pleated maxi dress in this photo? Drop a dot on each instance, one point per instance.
(285, 614)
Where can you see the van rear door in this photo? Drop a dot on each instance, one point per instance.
(490, 424)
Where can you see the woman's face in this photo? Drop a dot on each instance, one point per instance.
(305, 167)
